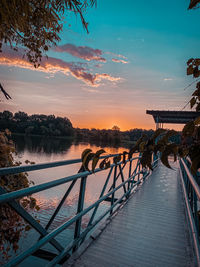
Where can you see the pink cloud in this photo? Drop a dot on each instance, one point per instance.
(54, 65)
(106, 76)
(116, 55)
(119, 60)
(83, 52)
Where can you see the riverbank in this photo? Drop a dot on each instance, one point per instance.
(59, 143)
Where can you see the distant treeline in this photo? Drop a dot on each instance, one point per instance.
(40, 124)
(111, 135)
(36, 124)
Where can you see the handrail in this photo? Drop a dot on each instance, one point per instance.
(37, 188)
(59, 229)
(40, 166)
(128, 183)
(191, 179)
(191, 192)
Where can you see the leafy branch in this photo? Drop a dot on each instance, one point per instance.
(160, 143)
(12, 226)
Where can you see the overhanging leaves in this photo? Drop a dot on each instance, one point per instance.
(117, 158)
(193, 4)
(192, 102)
(135, 148)
(157, 133)
(85, 153)
(188, 129)
(146, 160)
(105, 164)
(96, 158)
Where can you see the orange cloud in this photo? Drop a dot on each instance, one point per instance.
(106, 76)
(83, 52)
(119, 60)
(54, 65)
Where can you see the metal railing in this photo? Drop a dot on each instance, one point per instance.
(116, 171)
(191, 191)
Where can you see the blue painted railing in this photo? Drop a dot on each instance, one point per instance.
(135, 176)
(191, 191)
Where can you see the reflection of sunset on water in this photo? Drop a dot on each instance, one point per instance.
(49, 199)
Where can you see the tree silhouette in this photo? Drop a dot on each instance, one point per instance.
(35, 25)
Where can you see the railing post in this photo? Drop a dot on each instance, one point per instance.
(79, 233)
(192, 195)
(113, 186)
(139, 167)
(134, 172)
(196, 217)
(77, 230)
(129, 173)
(102, 193)
(122, 177)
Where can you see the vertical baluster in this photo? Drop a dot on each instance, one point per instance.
(102, 193)
(113, 186)
(129, 172)
(196, 217)
(154, 159)
(117, 176)
(139, 167)
(190, 195)
(122, 177)
(77, 230)
(134, 172)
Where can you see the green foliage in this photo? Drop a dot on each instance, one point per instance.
(109, 136)
(88, 155)
(49, 125)
(37, 124)
(12, 226)
(96, 158)
(193, 66)
(159, 142)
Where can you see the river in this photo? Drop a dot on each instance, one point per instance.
(41, 150)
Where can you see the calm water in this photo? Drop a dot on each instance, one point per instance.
(42, 150)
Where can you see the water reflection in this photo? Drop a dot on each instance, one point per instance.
(36, 144)
(42, 150)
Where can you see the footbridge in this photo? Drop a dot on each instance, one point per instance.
(140, 218)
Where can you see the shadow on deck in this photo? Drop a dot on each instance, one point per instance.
(150, 230)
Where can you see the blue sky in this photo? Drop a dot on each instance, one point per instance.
(145, 46)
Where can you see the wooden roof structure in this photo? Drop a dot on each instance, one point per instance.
(177, 117)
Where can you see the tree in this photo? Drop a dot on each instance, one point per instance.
(115, 128)
(194, 4)
(35, 25)
(20, 116)
(11, 224)
(193, 69)
(6, 115)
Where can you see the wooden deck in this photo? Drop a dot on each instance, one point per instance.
(150, 230)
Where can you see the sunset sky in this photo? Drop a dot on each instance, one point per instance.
(133, 59)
